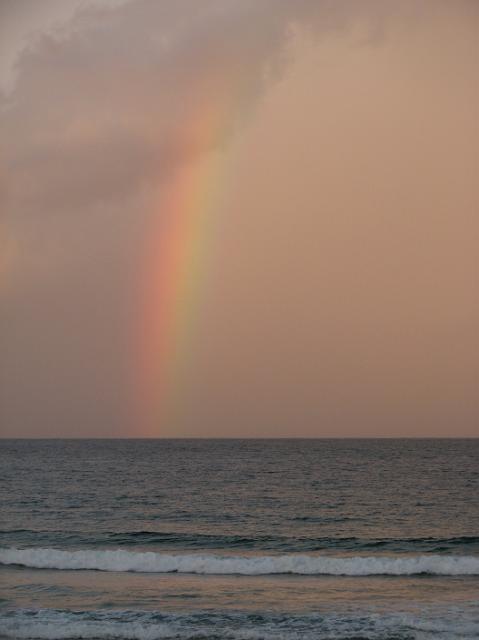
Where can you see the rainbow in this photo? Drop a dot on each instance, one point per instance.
(177, 254)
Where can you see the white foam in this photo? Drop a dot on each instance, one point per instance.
(151, 562)
(59, 630)
(62, 625)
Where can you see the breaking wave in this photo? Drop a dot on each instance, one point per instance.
(151, 562)
(130, 625)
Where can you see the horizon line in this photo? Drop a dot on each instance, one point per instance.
(239, 438)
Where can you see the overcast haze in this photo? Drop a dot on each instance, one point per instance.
(339, 293)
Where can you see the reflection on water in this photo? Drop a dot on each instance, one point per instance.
(173, 592)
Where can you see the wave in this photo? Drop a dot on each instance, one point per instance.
(199, 541)
(140, 625)
(151, 562)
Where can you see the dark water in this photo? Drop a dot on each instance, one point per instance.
(239, 539)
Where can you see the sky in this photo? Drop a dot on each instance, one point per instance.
(239, 218)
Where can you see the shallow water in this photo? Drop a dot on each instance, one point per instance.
(239, 539)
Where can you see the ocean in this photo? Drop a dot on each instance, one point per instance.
(239, 539)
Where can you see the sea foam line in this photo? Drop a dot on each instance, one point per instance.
(151, 562)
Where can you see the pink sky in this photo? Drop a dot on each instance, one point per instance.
(338, 293)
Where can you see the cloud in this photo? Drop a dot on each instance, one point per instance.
(112, 101)
(109, 102)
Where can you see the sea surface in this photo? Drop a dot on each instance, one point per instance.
(239, 539)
